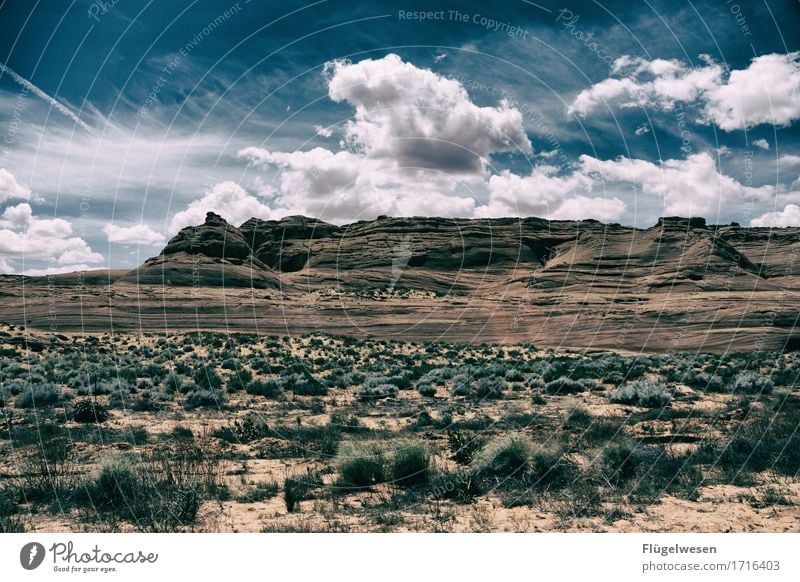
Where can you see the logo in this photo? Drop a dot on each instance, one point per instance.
(31, 555)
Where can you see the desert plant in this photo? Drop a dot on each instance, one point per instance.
(202, 398)
(376, 392)
(647, 393)
(564, 385)
(505, 455)
(361, 464)
(426, 390)
(749, 382)
(86, 411)
(490, 388)
(298, 488)
(409, 464)
(267, 389)
(39, 395)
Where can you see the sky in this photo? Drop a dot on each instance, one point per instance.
(123, 121)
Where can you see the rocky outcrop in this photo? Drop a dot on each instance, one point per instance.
(439, 254)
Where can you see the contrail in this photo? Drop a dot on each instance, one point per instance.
(38, 92)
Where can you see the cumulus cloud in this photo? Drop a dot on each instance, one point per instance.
(767, 91)
(688, 187)
(761, 143)
(789, 216)
(139, 234)
(229, 200)
(419, 119)
(546, 194)
(415, 145)
(26, 238)
(10, 188)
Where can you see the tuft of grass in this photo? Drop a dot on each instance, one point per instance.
(409, 464)
(505, 456)
(361, 464)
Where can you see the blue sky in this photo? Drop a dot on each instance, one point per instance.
(123, 122)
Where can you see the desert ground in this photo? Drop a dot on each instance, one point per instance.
(213, 431)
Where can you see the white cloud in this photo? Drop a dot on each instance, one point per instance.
(419, 119)
(227, 199)
(323, 131)
(789, 216)
(687, 187)
(761, 143)
(416, 145)
(543, 194)
(789, 160)
(10, 188)
(26, 238)
(641, 130)
(767, 91)
(139, 234)
(342, 186)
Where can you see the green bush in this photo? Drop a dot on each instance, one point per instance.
(361, 464)
(201, 398)
(564, 385)
(750, 382)
(426, 390)
(647, 393)
(87, 411)
(297, 489)
(39, 395)
(490, 388)
(505, 455)
(267, 389)
(409, 464)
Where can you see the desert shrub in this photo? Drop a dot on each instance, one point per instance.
(576, 416)
(504, 455)
(261, 492)
(785, 375)
(514, 375)
(299, 488)
(535, 383)
(116, 484)
(9, 522)
(85, 411)
(564, 385)
(409, 464)
(647, 393)
(551, 467)
(490, 388)
(463, 446)
(246, 430)
(201, 398)
(173, 382)
(347, 422)
(268, 388)
(376, 392)
(460, 486)
(153, 498)
(39, 395)
(426, 390)
(304, 384)
(461, 385)
(750, 382)
(206, 377)
(706, 381)
(436, 376)
(237, 381)
(361, 464)
(621, 461)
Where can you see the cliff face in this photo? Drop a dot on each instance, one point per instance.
(439, 254)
